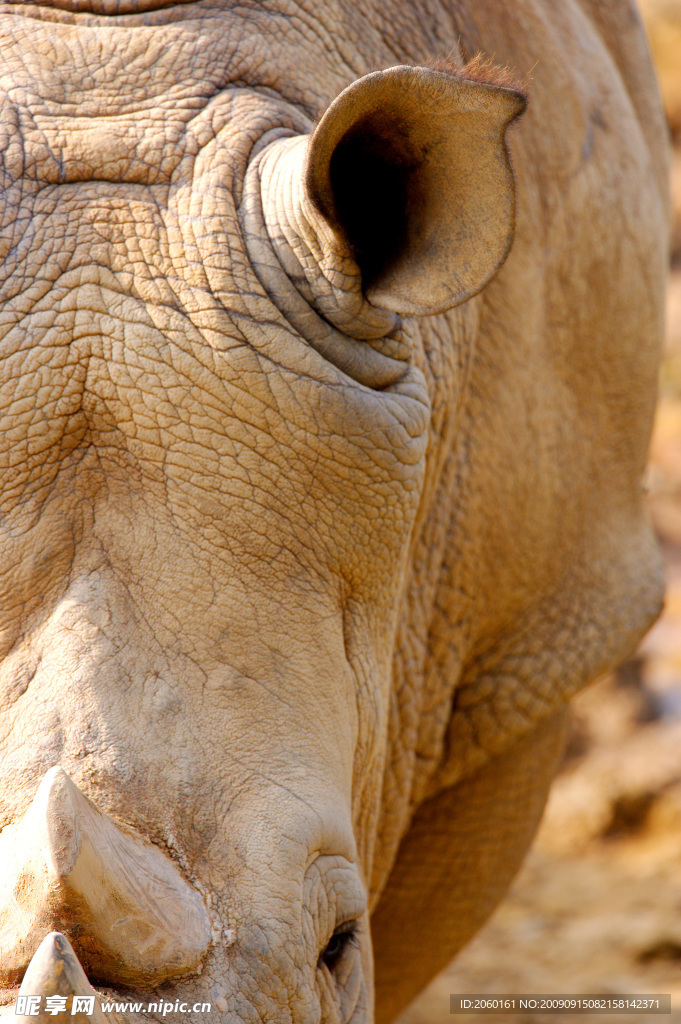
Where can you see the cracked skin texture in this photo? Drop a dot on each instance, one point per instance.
(312, 637)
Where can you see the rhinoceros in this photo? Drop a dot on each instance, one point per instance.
(327, 377)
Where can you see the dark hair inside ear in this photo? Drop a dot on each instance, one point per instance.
(375, 190)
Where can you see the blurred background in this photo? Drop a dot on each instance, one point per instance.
(597, 906)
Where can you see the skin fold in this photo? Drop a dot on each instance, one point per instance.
(301, 561)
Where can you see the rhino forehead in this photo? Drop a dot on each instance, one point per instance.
(150, 76)
(129, 306)
(131, 312)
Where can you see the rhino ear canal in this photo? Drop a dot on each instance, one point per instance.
(409, 168)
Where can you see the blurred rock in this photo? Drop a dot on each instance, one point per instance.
(663, 23)
(611, 793)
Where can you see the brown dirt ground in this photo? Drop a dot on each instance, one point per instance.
(597, 906)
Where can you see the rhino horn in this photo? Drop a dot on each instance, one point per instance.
(56, 971)
(126, 907)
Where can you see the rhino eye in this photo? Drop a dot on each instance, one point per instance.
(341, 940)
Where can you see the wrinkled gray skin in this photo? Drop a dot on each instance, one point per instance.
(299, 603)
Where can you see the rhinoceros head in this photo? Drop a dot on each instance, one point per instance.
(230, 457)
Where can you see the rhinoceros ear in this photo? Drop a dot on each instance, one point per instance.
(409, 168)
